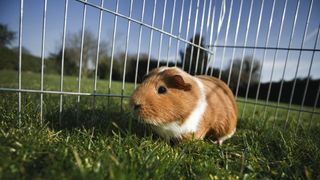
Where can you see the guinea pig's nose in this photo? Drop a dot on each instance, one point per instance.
(137, 106)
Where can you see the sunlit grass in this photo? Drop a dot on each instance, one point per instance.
(99, 139)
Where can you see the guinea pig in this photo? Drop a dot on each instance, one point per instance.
(182, 107)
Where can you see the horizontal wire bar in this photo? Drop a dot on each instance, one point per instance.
(61, 93)
(265, 48)
(11, 90)
(279, 107)
(146, 25)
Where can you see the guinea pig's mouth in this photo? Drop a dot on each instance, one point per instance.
(142, 115)
(146, 120)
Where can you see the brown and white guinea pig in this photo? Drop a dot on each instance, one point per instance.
(184, 107)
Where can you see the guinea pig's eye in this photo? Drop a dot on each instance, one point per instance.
(162, 90)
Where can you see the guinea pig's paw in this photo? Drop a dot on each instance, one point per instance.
(217, 142)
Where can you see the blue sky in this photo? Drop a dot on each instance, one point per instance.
(33, 13)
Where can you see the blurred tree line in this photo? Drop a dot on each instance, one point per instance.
(193, 60)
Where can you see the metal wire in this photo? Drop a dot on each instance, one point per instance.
(194, 34)
(235, 42)
(211, 37)
(126, 58)
(187, 34)
(144, 24)
(299, 58)
(62, 58)
(264, 48)
(126, 96)
(13, 90)
(210, 49)
(274, 59)
(139, 46)
(200, 37)
(113, 43)
(179, 34)
(220, 21)
(207, 30)
(81, 57)
(171, 30)
(226, 38)
(97, 59)
(20, 60)
(264, 57)
(126, 50)
(44, 20)
(161, 34)
(151, 34)
(286, 61)
(308, 79)
(244, 50)
(98, 49)
(253, 58)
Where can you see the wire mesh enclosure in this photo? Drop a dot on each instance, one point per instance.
(267, 51)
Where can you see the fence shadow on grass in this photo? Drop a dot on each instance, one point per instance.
(103, 119)
(103, 114)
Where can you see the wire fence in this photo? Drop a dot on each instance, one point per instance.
(209, 36)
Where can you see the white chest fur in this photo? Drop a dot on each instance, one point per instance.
(174, 130)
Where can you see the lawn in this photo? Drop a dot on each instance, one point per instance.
(99, 139)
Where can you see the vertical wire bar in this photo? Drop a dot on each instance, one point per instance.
(253, 58)
(274, 60)
(187, 34)
(293, 27)
(112, 49)
(125, 64)
(221, 17)
(98, 48)
(207, 29)
(211, 37)
(308, 79)
(62, 58)
(264, 57)
(201, 29)
(171, 30)
(235, 43)
(299, 58)
(139, 45)
(81, 57)
(194, 34)
(44, 19)
(226, 39)
(244, 50)
(151, 35)
(161, 34)
(126, 54)
(179, 33)
(314, 107)
(20, 60)
(97, 58)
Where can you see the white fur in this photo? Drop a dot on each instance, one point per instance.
(191, 123)
(226, 136)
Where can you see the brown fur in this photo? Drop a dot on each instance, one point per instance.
(219, 119)
(160, 108)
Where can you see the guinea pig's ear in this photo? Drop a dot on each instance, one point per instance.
(178, 82)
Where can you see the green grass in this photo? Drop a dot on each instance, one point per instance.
(106, 142)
